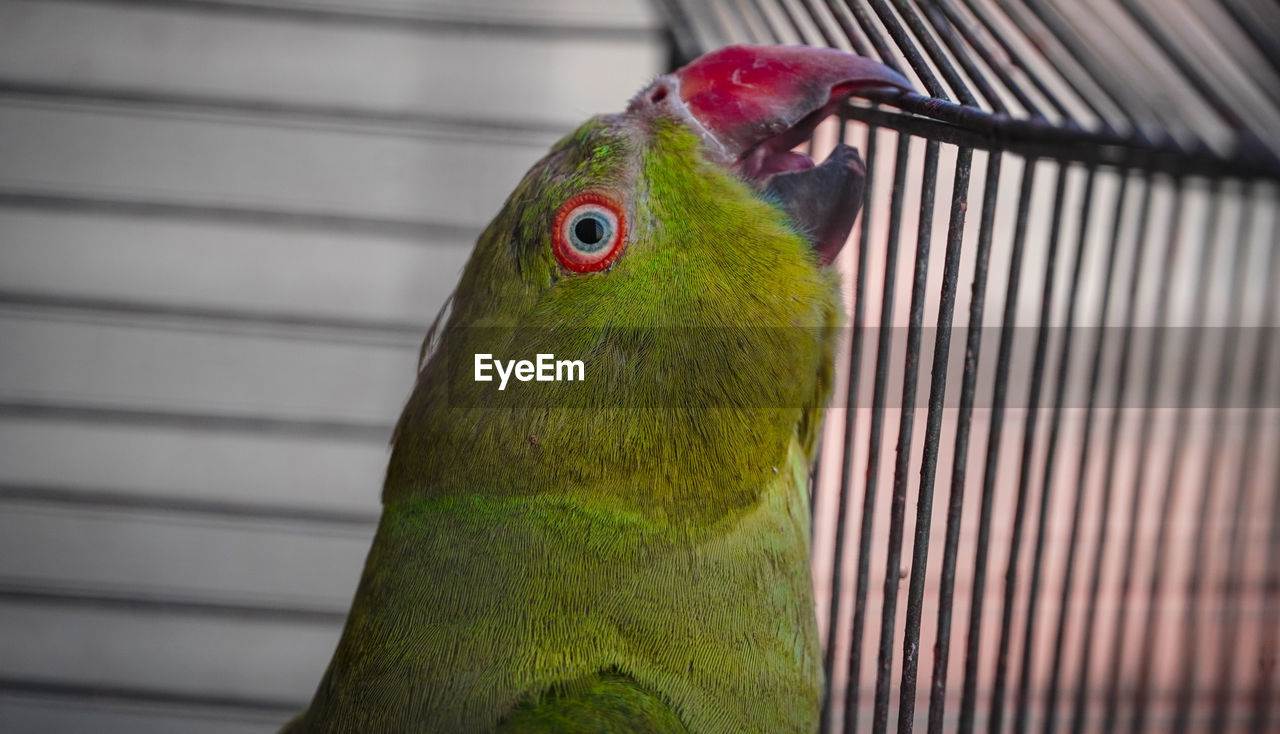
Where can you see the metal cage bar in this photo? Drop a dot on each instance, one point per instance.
(974, 638)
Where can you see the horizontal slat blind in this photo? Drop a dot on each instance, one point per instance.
(77, 256)
(224, 228)
(111, 463)
(362, 175)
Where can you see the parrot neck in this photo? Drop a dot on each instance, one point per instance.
(469, 605)
(671, 466)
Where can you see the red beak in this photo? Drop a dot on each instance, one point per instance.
(752, 104)
(747, 95)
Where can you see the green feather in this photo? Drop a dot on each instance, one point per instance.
(639, 538)
(604, 703)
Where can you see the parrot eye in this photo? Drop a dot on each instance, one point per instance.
(588, 233)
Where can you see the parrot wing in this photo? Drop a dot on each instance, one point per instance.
(605, 703)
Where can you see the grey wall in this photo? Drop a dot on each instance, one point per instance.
(224, 226)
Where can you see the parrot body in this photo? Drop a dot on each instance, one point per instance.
(627, 553)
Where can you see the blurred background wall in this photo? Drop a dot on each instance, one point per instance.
(224, 227)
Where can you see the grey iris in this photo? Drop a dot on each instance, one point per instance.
(590, 232)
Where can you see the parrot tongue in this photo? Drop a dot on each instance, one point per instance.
(824, 199)
(755, 103)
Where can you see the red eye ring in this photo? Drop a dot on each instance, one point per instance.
(597, 216)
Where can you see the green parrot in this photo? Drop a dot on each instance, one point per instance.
(624, 545)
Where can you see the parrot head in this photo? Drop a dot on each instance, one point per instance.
(681, 251)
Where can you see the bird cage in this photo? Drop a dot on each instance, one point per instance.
(1084, 532)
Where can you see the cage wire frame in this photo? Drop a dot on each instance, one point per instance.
(1139, 135)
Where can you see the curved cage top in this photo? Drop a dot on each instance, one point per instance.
(1186, 87)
